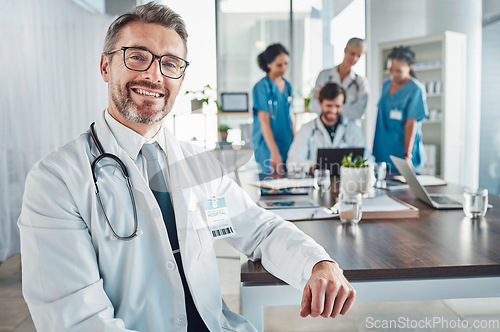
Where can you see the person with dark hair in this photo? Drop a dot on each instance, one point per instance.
(273, 125)
(117, 226)
(355, 86)
(330, 130)
(401, 109)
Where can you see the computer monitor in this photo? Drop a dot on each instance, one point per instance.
(234, 101)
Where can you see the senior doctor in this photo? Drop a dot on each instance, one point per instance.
(159, 272)
(330, 130)
(355, 85)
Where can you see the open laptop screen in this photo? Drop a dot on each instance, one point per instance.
(332, 158)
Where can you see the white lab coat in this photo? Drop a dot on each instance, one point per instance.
(75, 277)
(355, 86)
(313, 135)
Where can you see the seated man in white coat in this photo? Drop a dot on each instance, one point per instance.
(117, 226)
(329, 130)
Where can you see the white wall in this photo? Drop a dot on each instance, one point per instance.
(199, 16)
(464, 16)
(489, 159)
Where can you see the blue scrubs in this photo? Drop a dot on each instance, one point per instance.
(268, 98)
(409, 102)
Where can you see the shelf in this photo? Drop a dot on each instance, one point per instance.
(432, 122)
(441, 67)
(429, 68)
(233, 113)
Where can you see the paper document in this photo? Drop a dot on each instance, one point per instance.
(425, 180)
(381, 203)
(305, 213)
(284, 183)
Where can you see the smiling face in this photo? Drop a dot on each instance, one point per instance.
(136, 99)
(331, 109)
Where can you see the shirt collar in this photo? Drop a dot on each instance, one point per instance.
(129, 140)
(351, 74)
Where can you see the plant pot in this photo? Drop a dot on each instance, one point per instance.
(196, 105)
(223, 135)
(357, 180)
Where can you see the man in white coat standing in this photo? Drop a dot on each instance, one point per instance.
(105, 248)
(329, 130)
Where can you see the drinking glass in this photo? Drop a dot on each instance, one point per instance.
(380, 174)
(475, 202)
(350, 207)
(322, 179)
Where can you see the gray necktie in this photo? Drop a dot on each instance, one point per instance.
(159, 188)
(155, 175)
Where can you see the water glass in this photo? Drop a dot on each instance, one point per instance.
(350, 207)
(297, 171)
(380, 174)
(322, 179)
(475, 202)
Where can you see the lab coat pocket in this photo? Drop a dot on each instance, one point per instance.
(195, 227)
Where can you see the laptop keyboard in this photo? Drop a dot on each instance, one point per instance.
(444, 200)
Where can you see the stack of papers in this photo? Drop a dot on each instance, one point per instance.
(371, 206)
(425, 180)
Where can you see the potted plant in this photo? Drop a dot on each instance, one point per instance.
(200, 98)
(307, 100)
(356, 176)
(223, 129)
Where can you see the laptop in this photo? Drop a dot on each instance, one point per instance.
(332, 158)
(438, 201)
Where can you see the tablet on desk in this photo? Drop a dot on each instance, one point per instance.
(284, 191)
(286, 204)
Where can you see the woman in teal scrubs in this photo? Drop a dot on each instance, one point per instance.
(272, 131)
(401, 109)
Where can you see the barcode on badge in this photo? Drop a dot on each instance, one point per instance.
(222, 232)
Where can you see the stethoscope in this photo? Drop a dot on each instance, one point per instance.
(316, 129)
(354, 83)
(272, 102)
(103, 155)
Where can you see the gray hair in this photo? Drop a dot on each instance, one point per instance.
(151, 12)
(356, 42)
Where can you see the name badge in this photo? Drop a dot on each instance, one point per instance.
(218, 219)
(396, 114)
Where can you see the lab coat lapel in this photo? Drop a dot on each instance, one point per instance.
(325, 136)
(184, 199)
(339, 133)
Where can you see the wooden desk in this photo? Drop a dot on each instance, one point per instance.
(443, 254)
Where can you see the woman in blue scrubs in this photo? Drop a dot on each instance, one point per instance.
(273, 127)
(401, 109)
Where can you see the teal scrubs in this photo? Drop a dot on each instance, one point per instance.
(268, 98)
(409, 102)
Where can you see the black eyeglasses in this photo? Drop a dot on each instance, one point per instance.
(140, 59)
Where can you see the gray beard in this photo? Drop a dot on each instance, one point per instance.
(131, 111)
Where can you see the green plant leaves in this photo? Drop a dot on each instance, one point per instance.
(358, 162)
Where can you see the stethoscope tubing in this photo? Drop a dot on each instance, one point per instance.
(272, 102)
(125, 173)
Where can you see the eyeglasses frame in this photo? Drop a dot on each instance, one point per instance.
(125, 48)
